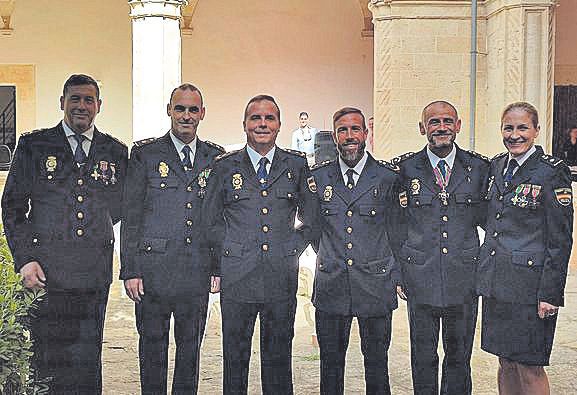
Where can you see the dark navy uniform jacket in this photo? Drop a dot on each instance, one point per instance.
(162, 239)
(440, 252)
(526, 251)
(253, 230)
(61, 215)
(357, 272)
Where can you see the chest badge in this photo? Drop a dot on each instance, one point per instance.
(289, 175)
(563, 196)
(328, 193)
(51, 163)
(415, 186)
(403, 200)
(163, 169)
(236, 181)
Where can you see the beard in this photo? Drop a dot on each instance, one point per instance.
(352, 156)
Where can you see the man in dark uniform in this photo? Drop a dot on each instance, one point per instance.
(524, 259)
(442, 186)
(252, 198)
(58, 209)
(166, 264)
(356, 272)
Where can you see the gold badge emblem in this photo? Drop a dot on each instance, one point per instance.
(163, 169)
(201, 181)
(403, 200)
(312, 184)
(328, 193)
(236, 181)
(51, 163)
(415, 186)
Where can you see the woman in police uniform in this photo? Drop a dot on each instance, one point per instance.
(524, 258)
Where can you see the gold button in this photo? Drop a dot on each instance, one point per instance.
(226, 252)
(148, 248)
(189, 205)
(189, 188)
(500, 197)
(417, 203)
(469, 200)
(350, 262)
(35, 240)
(445, 250)
(264, 193)
(265, 228)
(289, 195)
(445, 235)
(326, 211)
(80, 215)
(162, 185)
(495, 234)
(80, 198)
(350, 246)
(349, 213)
(445, 218)
(498, 216)
(529, 263)
(409, 259)
(264, 210)
(189, 222)
(49, 176)
(79, 232)
(492, 252)
(80, 181)
(188, 240)
(373, 212)
(349, 230)
(235, 197)
(265, 247)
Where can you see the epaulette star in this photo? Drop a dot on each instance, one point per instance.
(498, 156)
(295, 152)
(140, 143)
(479, 156)
(551, 160)
(321, 164)
(389, 165)
(225, 155)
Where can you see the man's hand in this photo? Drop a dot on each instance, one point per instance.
(401, 292)
(33, 275)
(214, 284)
(134, 289)
(546, 310)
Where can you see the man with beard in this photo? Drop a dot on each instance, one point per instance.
(58, 208)
(357, 272)
(442, 186)
(252, 197)
(166, 264)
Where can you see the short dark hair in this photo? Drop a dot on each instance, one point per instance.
(80, 79)
(260, 98)
(522, 105)
(348, 110)
(187, 87)
(443, 102)
(304, 113)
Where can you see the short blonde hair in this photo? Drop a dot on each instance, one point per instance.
(522, 105)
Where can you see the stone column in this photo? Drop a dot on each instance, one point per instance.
(422, 53)
(156, 63)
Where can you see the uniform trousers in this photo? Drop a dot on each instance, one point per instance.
(458, 331)
(333, 332)
(153, 315)
(67, 336)
(276, 335)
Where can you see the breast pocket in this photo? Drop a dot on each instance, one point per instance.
(372, 213)
(159, 184)
(467, 199)
(288, 194)
(236, 196)
(422, 200)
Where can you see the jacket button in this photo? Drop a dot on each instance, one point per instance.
(79, 232)
(264, 210)
(235, 197)
(289, 195)
(80, 215)
(148, 248)
(500, 198)
(408, 259)
(189, 222)
(80, 198)
(373, 213)
(189, 205)
(349, 246)
(35, 240)
(163, 185)
(445, 218)
(417, 203)
(445, 250)
(349, 230)
(265, 228)
(498, 216)
(188, 240)
(265, 247)
(189, 188)
(264, 193)
(226, 252)
(445, 235)
(349, 213)
(49, 176)
(495, 234)
(350, 262)
(80, 181)
(469, 200)
(492, 252)
(529, 263)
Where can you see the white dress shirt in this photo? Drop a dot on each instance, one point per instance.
(357, 169)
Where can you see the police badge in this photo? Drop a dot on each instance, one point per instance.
(163, 169)
(328, 193)
(51, 164)
(236, 181)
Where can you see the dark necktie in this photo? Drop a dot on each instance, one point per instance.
(442, 168)
(186, 163)
(509, 173)
(350, 178)
(261, 173)
(79, 154)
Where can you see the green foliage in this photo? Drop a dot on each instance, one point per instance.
(16, 303)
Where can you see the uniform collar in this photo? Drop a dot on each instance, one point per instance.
(449, 159)
(523, 158)
(358, 168)
(89, 133)
(178, 144)
(255, 156)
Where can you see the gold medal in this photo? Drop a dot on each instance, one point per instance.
(51, 163)
(163, 169)
(328, 193)
(236, 181)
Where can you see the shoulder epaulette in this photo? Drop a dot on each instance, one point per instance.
(215, 146)
(295, 152)
(499, 156)
(551, 160)
(479, 156)
(225, 155)
(389, 165)
(140, 143)
(28, 133)
(403, 157)
(114, 138)
(321, 164)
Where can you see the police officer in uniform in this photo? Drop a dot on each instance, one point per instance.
(357, 272)
(525, 255)
(252, 197)
(442, 192)
(166, 264)
(61, 198)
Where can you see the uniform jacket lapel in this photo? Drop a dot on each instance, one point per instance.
(169, 155)
(458, 171)
(338, 182)
(278, 166)
(366, 180)
(201, 159)
(525, 172)
(425, 170)
(247, 170)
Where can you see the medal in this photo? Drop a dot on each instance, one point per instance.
(444, 197)
(523, 201)
(163, 169)
(535, 193)
(515, 199)
(113, 171)
(328, 193)
(236, 181)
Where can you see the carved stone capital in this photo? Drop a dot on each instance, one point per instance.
(186, 27)
(6, 10)
(156, 8)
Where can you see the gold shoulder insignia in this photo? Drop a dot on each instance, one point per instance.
(499, 156)
(479, 156)
(114, 138)
(225, 155)
(321, 164)
(551, 160)
(295, 152)
(215, 146)
(140, 143)
(389, 165)
(399, 159)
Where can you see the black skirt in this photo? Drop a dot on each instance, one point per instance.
(515, 332)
